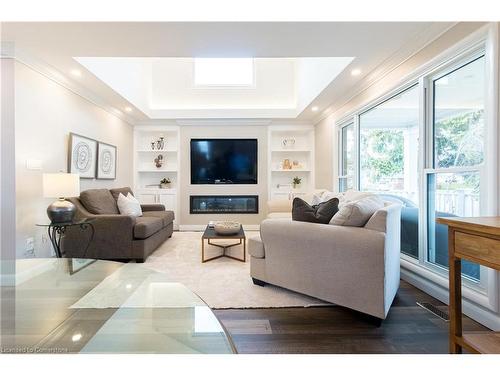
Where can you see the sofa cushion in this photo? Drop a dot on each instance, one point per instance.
(321, 213)
(99, 202)
(124, 190)
(357, 213)
(167, 217)
(147, 226)
(256, 247)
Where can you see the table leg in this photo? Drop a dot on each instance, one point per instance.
(244, 249)
(55, 239)
(202, 251)
(455, 280)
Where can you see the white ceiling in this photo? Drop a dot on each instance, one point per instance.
(53, 46)
(164, 87)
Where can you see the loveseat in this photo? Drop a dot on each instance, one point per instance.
(117, 237)
(355, 267)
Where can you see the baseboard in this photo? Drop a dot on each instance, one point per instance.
(476, 312)
(201, 227)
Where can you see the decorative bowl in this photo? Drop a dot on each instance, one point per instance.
(226, 228)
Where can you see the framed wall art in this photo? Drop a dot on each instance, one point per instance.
(82, 155)
(106, 161)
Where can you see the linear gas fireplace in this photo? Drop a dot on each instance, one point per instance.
(224, 204)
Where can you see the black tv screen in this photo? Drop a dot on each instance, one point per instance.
(223, 161)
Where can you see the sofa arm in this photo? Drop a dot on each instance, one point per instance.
(152, 207)
(279, 205)
(340, 264)
(113, 236)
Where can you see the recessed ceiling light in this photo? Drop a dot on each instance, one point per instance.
(76, 73)
(314, 109)
(355, 72)
(128, 109)
(76, 337)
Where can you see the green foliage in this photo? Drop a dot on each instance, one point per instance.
(296, 180)
(459, 140)
(383, 154)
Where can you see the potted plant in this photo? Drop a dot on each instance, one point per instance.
(296, 182)
(165, 183)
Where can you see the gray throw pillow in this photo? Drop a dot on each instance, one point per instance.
(321, 213)
(99, 202)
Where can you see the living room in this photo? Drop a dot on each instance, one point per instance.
(250, 187)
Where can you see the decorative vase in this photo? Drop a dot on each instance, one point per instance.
(162, 143)
(288, 142)
(152, 145)
(295, 186)
(286, 164)
(165, 186)
(158, 144)
(158, 161)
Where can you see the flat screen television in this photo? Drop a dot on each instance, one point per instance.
(223, 161)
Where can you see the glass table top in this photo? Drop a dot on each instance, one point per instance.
(84, 306)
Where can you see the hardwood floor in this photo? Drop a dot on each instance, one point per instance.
(408, 328)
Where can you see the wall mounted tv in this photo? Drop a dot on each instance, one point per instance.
(223, 161)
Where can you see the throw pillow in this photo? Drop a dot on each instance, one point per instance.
(321, 213)
(99, 202)
(129, 205)
(357, 213)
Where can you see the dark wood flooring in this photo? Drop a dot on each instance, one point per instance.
(314, 330)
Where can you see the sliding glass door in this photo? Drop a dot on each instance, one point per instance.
(388, 152)
(457, 155)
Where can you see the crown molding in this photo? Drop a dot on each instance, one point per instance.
(226, 122)
(420, 41)
(54, 75)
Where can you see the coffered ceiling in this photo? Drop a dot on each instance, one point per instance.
(143, 71)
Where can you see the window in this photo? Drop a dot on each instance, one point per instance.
(453, 179)
(223, 71)
(346, 172)
(391, 160)
(389, 149)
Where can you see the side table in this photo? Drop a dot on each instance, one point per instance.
(56, 233)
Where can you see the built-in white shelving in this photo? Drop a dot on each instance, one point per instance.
(294, 143)
(147, 175)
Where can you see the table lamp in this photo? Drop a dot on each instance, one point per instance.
(61, 186)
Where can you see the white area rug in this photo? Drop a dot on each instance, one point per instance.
(221, 283)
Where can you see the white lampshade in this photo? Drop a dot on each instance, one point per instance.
(61, 185)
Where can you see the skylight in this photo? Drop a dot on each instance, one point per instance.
(223, 72)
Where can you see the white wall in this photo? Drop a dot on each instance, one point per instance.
(7, 172)
(186, 189)
(45, 114)
(326, 137)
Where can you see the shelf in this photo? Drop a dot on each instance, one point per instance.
(171, 191)
(290, 150)
(290, 170)
(483, 342)
(156, 151)
(156, 170)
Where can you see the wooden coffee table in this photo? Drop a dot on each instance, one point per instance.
(211, 235)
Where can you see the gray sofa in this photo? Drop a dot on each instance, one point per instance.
(355, 267)
(117, 237)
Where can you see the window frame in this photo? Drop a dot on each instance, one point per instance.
(341, 176)
(451, 66)
(483, 41)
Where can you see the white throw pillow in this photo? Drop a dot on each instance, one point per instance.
(325, 196)
(129, 205)
(357, 213)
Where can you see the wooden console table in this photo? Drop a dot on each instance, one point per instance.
(475, 239)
